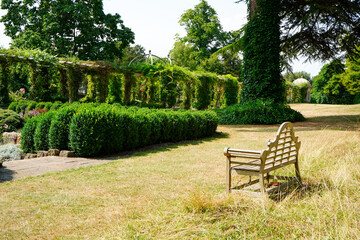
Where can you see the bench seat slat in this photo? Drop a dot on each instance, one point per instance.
(256, 169)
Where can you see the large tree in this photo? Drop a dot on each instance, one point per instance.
(204, 37)
(318, 29)
(262, 53)
(203, 28)
(66, 27)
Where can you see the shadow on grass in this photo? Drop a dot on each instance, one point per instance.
(6, 174)
(336, 122)
(296, 191)
(144, 151)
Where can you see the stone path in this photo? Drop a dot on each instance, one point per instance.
(36, 166)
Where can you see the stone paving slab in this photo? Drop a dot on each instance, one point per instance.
(36, 166)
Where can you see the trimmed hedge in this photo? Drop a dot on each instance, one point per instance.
(93, 129)
(258, 112)
(60, 125)
(41, 134)
(97, 130)
(27, 134)
(108, 129)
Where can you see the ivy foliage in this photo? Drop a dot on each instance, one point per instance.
(4, 83)
(160, 84)
(262, 55)
(203, 91)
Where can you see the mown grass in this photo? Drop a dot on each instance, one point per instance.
(178, 191)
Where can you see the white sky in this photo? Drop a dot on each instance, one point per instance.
(155, 23)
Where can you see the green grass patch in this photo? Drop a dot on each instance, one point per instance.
(178, 192)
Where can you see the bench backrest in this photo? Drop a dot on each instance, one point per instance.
(283, 149)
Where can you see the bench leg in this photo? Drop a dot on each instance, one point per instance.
(228, 176)
(297, 171)
(261, 183)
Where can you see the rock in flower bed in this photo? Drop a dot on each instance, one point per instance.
(11, 137)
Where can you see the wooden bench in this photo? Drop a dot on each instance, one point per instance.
(280, 152)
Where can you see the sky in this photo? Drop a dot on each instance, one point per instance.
(156, 22)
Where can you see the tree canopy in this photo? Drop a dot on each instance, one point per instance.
(351, 76)
(318, 29)
(205, 36)
(328, 86)
(204, 31)
(66, 27)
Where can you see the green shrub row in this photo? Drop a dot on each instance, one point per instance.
(258, 112)
(60, 125)
(94, 129)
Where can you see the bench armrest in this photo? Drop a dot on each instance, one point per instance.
(231, 152)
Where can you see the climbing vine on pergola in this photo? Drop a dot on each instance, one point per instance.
(71, 73)
(169, 82)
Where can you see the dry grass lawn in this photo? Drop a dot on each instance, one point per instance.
(178, 191)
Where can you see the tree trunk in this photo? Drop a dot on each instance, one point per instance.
(252, 8)
(262, 53)
(4, 83)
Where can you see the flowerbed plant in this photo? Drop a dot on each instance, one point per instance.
(9, 121)
(10, 152)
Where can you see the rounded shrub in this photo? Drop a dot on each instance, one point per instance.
(131, 131)
(9, 121)
(142, 121)
(176, 124)
(41, 134)
(165, 128)
(27, 135)
(258, 112)
(190, 125)
(211, 121)
(59, 128)
(96, 130)
(155, 125)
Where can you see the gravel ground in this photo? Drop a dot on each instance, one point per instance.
(36, 166)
